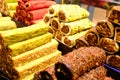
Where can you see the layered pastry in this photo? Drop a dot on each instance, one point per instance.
(12, 36)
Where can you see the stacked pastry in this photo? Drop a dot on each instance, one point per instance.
(85, 63)
(67, 23)
(11, 6)
(8, 7)
(27, 50)
(114, 60)
(106, 35)
(6, 23)
(3, 7)
(32, 11)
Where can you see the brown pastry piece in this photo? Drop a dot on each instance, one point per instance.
(47, 19)
(92, 37)
(105, 28)
(79, 61)
(117, 34)
(113, 60)
(53, 10)
(46, 74)
(114, 15)
(95, 74)
(55, 24)
(9, 26)
(109, 45)
(81, 42)
(74, 27)
(70, 41)
(59, 36)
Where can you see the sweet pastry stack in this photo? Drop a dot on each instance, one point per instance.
(67, 23)
(8, 7)
(6, 23)
(32, 11)
(106, 35)
(114, 60)
(24, 51)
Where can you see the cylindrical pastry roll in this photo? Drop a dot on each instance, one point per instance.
(21, 34)
(55, 24)
(77, 62)
(12, 6)
(20, 47)
(20, 18)
(105, 28)
(81, 42)
(46, 74)
(59, 36)
(70, 41)
(21, 4)
(23, 13)
(32, 5)
(47, 19)
(71, 13)
(114, 15)
(26, 21)
(5, 19)
(39, 64)
(109, 45)
(92, 37)
(113, 60)
(76, 26)
(117, 34)
(53, 10)
(37, 14)
(8, 26)
(98, 73)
